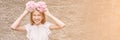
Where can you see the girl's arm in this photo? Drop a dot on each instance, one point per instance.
(57, 23)
(16, 24)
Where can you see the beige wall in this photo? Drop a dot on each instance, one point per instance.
(85, 19)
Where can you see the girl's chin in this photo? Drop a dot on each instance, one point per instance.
(37, 23)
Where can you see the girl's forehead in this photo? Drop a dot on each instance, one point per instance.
(36, 12)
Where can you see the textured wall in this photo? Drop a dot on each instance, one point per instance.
(85, 19)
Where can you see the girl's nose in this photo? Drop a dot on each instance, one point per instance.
(37, 17)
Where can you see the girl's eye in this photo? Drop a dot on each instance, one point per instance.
(39, 15)
(34, 15)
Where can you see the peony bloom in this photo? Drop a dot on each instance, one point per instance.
(30, 5)
(40, 6)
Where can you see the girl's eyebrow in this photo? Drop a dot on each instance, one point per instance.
(40, 14)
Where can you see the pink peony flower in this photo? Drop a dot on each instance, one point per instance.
(41, 6)
(30, 5)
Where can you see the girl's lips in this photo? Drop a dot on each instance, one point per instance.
(37, 20)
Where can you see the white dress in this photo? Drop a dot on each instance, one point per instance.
(38, 33)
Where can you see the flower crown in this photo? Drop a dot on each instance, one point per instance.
(40, 6)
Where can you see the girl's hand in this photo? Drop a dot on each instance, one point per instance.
(47, 12)
(30, 6)
(58, 24)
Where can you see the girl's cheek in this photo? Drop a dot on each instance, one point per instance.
(37, 17)
(40, 17)
(33, 17)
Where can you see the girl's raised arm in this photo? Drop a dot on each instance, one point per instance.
(29, 8)
(15, 25)
(57, 23)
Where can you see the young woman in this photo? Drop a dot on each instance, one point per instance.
(39, 28)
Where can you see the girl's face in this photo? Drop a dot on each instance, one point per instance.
(37, 17)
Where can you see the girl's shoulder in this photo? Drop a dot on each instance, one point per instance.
(47, 23)
(28, 25)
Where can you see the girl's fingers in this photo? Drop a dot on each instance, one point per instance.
(30, 6)
(30, 9)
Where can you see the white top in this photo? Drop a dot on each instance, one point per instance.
(38, 33)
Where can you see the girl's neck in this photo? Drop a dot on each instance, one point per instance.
(37, 25)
